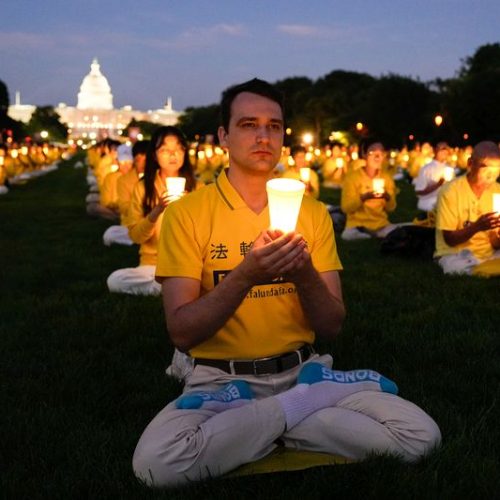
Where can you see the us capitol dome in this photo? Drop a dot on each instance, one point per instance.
(94, 116)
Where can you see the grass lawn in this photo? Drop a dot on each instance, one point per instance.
(83, 371)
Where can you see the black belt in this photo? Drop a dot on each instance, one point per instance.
(261, 366)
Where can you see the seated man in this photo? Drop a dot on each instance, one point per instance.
(365, 203)
(246, 302)
(431, 177)
(467, 227)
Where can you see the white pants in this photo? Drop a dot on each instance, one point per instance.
(462, 262)
(118, 235)
(180, 446)
(353, 233)
(134, 281)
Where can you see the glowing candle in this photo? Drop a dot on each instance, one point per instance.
(496, 202)
(114, 168)
(2, 160)
(378, 185)
(448, 174)
(305, 174)
(339, 162)
(176, 186)
(284, 198)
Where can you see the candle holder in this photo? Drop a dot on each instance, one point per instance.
(496, 203)
(448, 174)
(378, 185)
(305, 174)
(284, 199)
(175, 186)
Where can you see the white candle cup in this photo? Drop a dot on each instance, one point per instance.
(305, 174)
(176, 186)
(448, 174)
(496, 203)
(378, 185)
(284, 199)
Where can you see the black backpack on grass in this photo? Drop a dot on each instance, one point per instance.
(410, 241)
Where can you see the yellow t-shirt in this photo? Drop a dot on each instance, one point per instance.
(207, 234)
(458, 206)
(124, 188)
(109, 194)
(141, 230)
(371, 214)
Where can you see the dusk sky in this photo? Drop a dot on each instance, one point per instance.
(192, 50)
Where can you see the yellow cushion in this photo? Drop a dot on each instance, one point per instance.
(487, 269)
(287, 459)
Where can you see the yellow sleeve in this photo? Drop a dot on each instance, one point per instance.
(140, 228)
(350, 200)
(390, 187)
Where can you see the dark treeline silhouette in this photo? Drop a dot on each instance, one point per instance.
(395, 109)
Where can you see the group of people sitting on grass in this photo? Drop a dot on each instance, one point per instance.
(244, 303)
(20, 162)
(128, 185)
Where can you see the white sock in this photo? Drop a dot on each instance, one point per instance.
(319, 387)
(232, 395)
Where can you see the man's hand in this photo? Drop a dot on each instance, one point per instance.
(274, 254)
(488, 221)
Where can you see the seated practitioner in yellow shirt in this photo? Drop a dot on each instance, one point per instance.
(368, 195)
(166, 157)
(301, 171)
(125, 185)
(246, 303)
(107, 206)
(467, 227)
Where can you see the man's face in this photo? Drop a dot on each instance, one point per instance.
(300, 159)
(442, 155)
(140, 162)
(484, 171)
(374, 160)
(255, 134)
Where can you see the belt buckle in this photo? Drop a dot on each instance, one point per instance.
(262, 371)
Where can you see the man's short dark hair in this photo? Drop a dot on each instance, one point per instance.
(254, 86)
(140, 148)
(297, 148)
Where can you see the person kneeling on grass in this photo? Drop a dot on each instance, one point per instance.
(246, 303)
(365, 203)
(467, 225)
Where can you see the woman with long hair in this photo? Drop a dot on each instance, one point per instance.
(166, 158)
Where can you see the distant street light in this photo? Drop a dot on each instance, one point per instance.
(438, 120)
(307, 138)
(44, 134)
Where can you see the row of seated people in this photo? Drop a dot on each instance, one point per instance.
(21, 162)
(334, 161)
(368, 197)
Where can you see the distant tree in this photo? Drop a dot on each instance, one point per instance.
(486, 58)
(398, 106)
(145, 128)
(46, 118)
(472, 99)
(198, 122)
(8, 126)
(4, 98)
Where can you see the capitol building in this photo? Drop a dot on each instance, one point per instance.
(94, 116)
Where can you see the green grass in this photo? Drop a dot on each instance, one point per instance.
(82, 371)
